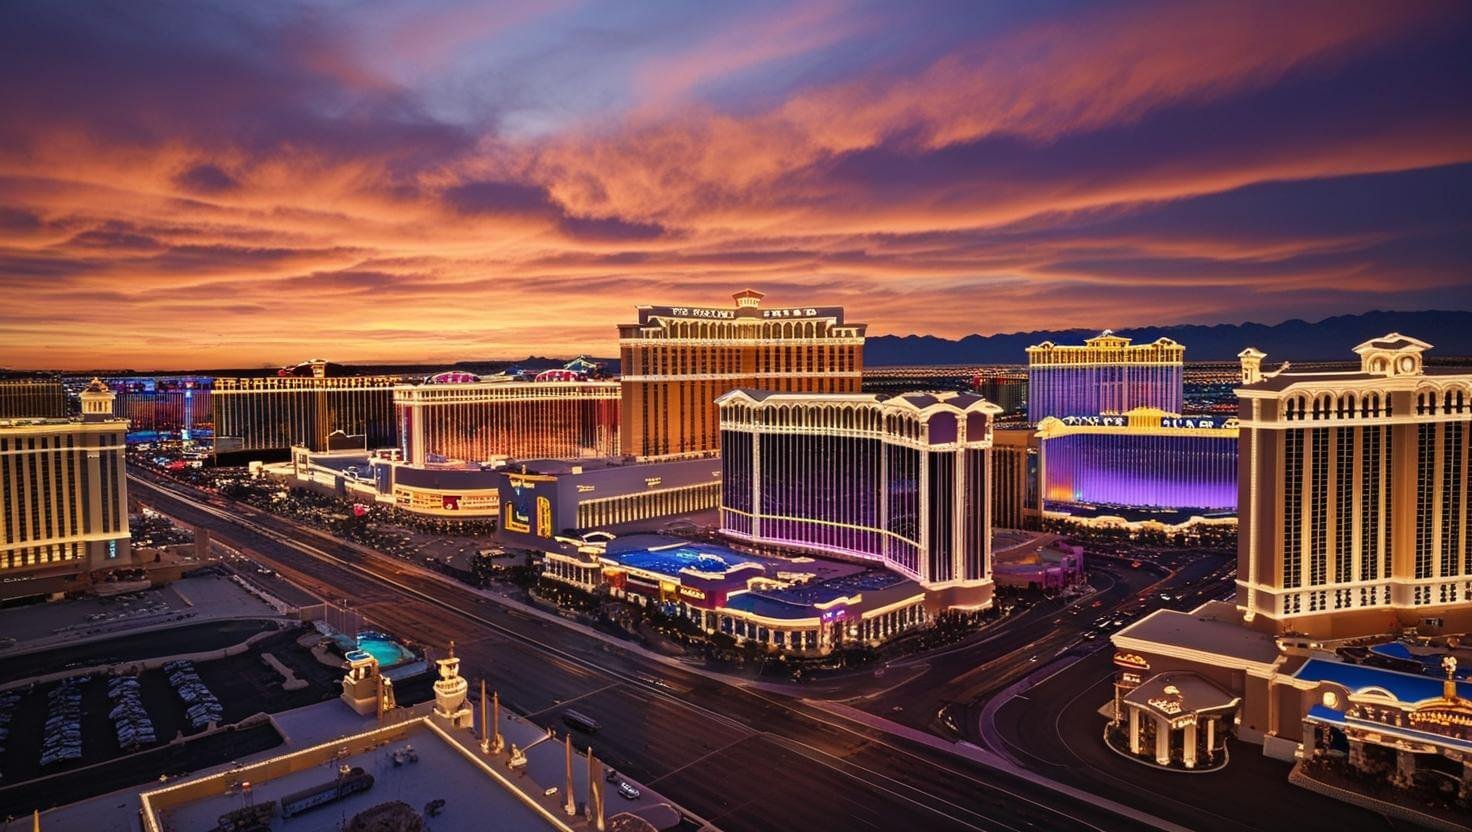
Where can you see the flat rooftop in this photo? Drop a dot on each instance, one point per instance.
(442, 771)
(1214, 627)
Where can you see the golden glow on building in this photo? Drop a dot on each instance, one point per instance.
(1354, 494)
(676, 361)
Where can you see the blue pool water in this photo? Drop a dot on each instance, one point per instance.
(670, 561)
(388, 652)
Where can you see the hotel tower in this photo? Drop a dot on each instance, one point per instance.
(901, 481)
(63, 498)
(1107, 374)
(677, 360)
(1353, 495)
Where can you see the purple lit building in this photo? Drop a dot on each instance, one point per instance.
(1142, 464)
(902, 481)
(1107, 374)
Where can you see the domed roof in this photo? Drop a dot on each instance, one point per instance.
(453, 377)
(96, 385)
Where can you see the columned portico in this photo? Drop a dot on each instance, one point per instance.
(1181, 711)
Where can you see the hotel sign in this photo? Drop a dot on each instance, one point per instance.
(697, 312)
(1096, 421)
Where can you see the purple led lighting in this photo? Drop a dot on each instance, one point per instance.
(1158, 471)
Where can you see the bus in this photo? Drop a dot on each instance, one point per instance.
(580, 721)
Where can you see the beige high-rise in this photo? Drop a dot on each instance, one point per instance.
(676, 360)
(1353, 495)
(63, 498)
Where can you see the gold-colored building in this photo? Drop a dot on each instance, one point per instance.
(63, 498)
(1353, 495)
(677, 360)
(32, 398)
(305, 406)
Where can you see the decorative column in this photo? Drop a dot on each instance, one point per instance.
(1211, 737)
(1188, 750)
(1134, 730)
(1405, 768)
(1162, 741)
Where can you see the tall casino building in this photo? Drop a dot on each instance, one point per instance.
(314, 405)
(458, 416)
(1353, 495)
(1107, 374)
(32, 398)
(901, 481)
(63, 498)
(676, 361)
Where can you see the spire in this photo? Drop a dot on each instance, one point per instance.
(571, 804)
(1449, 687)
(595, 793)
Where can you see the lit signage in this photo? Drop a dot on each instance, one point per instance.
(516, 520)
(585, 489)
(1099, 421)
(1131, 660)
(692, 592)
(544, 517)
(652, 482)
(790, 313)
(696, 312)
(1187, 422)
(450, 502)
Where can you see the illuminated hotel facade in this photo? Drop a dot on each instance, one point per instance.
(1144, 463)
(32, 398)
(63, 498)
(277, 412)
(1354, 494)
(457, 417)
(676, 361)
(163, 407)
(902, 481)
(1107, 374)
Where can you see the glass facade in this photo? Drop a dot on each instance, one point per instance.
(904, 481)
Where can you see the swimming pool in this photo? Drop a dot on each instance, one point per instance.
(675, 559)
(388, 652)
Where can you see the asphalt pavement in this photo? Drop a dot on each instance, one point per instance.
(741, 758)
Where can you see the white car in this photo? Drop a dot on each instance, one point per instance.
(627, 791)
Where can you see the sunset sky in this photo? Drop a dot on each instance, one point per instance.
(252, 183)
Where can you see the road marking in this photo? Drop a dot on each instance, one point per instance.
(707, 755)
(564, 702)
(366, 573)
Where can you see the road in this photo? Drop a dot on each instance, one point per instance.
(740, 758)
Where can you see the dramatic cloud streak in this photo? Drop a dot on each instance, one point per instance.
(192, 184)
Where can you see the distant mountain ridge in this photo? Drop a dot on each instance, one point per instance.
(1449, 331)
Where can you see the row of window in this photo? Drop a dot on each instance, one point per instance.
(611, 511)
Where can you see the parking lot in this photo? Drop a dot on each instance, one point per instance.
(243, 685)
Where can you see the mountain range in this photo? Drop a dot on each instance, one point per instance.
(1331, 339)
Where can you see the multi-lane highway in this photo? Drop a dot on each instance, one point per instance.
(741, 758)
